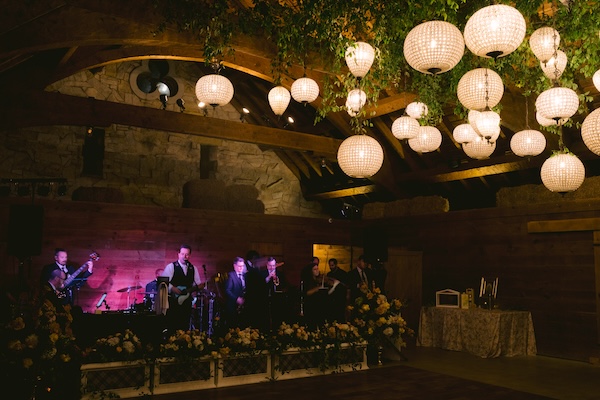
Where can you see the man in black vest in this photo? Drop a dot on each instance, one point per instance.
(184, 279)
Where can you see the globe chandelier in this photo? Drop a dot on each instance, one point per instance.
(434, 47)
(305, 90)
(555, 66)
(563, 172)
(471, 89)
(464, 133)
(543, 121)
(417, 110)
(279, 99)
(590, 131)
(596, 80)
(214, 89)
(479, 148)
(405, 127)
(360, 156)
(359, 58)
(494, 31)
(528, 142)
(543, 41)
(355, 101)
(428, 139)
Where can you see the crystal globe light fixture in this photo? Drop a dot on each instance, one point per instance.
(494, 31)
(355, 101)
(279, 99)
(305, 90)
(360, 156)
(359, 58)
(543, 121)
(487, 125)
(596, 80)
(214, 89)
(405, 127)
(479, 149)
(434, 47)
(472, 116)
(464, 133)
(590, 131)
(562, 172)
(553, 69)
(427, 140)
(472, 90)
(543, 42)
(557, 102)
(528, 142)
(417, 109)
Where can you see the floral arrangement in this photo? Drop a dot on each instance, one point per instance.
(296, 336)
(124, 346)
(376, 318)
(37, 344)
(188, 344)
(238, 341)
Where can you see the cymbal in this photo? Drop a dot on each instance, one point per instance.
(129, 288)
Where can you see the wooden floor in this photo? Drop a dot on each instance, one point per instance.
(426, 373)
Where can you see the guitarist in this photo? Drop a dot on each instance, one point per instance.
(184, 279)
(60, 262)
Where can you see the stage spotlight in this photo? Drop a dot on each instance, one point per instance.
(181, 104)
(289, 122)
(89, 130)
(164, 92)
(243, 114)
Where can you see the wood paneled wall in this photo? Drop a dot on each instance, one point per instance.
(551, 274)
(133, 241)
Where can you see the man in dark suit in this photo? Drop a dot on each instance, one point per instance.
(235, 291)
(79, 275)
(360, 275)
(275, 292)
(339, 297)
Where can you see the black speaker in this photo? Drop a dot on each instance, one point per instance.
(375, 245)
(25, 230)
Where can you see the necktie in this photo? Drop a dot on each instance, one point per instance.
(363, 277)
(242, 279)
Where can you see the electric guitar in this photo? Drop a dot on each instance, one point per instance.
(93, 257)
(183, 297)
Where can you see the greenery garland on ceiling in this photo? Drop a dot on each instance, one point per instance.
(316, 34)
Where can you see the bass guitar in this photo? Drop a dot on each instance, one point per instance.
(185, 295)
(93, 257)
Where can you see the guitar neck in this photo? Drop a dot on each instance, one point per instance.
(72, 277)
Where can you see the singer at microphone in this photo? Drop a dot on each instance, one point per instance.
(102, 300)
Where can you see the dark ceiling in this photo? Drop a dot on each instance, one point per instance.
(44, 41)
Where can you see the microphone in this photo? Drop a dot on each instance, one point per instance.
(102, 299)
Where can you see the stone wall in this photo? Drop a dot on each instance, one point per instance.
(149, 167)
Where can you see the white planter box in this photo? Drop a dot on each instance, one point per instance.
(171, 375)
(297, 363)
(123, 378)
(241, 370)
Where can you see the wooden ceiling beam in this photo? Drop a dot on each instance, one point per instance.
(390, 104)
(43, 109)
(336, 194)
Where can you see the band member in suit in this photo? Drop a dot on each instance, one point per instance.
(360, 275)
(184, 279)
(53, 289)
(235, 291)
(339, 297)
(275, 291)
(60, 263)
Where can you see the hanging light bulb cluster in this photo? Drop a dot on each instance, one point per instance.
(359, 156)
(474, 93)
